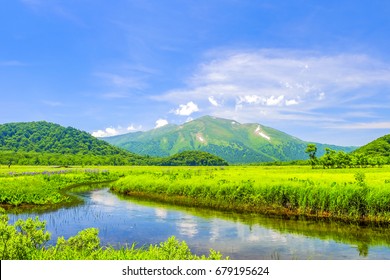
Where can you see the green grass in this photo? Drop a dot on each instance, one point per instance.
(346, 194)
(292, 190)
(44, 186)
(26, 239)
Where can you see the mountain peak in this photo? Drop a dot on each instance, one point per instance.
(226, 138)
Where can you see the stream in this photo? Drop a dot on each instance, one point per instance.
(123, 221)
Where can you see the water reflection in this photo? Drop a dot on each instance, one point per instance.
(239, 236)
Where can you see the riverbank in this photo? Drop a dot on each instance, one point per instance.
(358, 195)
(26, 239)
(24, 188)
(347, 195)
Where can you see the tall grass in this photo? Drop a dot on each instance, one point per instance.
(45, 187)
(26, 240)
(340, 194)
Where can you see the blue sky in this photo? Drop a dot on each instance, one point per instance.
(318, 70)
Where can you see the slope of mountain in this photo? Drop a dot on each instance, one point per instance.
(228, 139)
(43, 143)
(379, 147)
(52, 138)
(48, 143)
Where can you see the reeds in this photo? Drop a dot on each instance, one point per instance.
(40, 188)
(338, 194)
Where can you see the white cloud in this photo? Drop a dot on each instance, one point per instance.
(272, 101)
(132, 127)
(250, 99)
(187, 109)
(109, 131)
(291, 102)
(161, 123)
(283, 84)
(213, 101)
(256, 99)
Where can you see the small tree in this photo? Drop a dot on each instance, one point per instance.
(311, 149)
(329, 159)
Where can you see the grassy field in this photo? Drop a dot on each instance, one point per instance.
(27, 186)
(342, 194)
(349, 194)
(346, 194)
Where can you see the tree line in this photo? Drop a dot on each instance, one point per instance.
(188, 158)
(341, 159)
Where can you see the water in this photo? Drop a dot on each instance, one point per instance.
(240, 236)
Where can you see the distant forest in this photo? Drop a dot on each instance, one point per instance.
(44, 143)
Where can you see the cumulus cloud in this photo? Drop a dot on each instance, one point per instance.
(109, 131)
(132, 127)
(161, 123)
(213, 101)
(291, 102)
(187, 109)
(256, 99)
(272, 101)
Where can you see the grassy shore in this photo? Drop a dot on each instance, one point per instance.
(343, 194)
(28, 186)
(26, 240)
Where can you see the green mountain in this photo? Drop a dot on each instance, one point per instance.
(52, 138)
(48, 143)
(377, 148)
(44, 143)
(228, 139)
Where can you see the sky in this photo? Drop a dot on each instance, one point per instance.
(318, 70)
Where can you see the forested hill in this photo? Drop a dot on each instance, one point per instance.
(379, 147)
(52, 138)
(44, 143)
(228, 139)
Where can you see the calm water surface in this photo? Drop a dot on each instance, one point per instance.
(240, 236)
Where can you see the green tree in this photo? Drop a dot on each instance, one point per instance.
(311, 149)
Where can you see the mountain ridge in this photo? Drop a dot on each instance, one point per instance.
(228, 139)
(378, 147)
(45, 143)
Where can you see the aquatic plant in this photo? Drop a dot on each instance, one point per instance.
(26, 239)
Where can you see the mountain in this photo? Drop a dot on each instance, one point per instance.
(52, 138)
(48, 143)
(228, 139)
(44, 143)
(379, 147)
